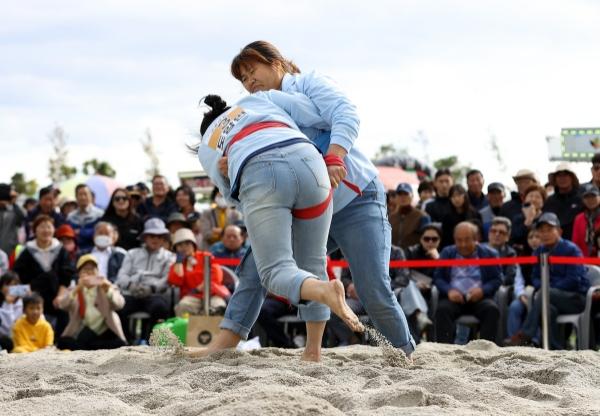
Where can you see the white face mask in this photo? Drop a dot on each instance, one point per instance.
(102, 241)
(220, 201)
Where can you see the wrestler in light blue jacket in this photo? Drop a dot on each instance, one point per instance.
(342, 129)
(294, 110)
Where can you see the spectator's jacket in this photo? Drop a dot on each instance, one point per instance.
(509, 271)
(129, 229)
(512, 208)
(12, 217)
(491, 276)
(45, 270)
(148, 210)
(106, 303)
(4, 262)
(57, 217)
(211, 218)
(487, 215)
(580, 227)
(406, 225)
(84, 222)
(221, 252)
(452, 219)
(417, 252)
(438, 208)
(193, 275)
(566, 207)
(478, 203)
(30, 338)
(569, 277)
(9, 313)
(146, 269)
(115, 261)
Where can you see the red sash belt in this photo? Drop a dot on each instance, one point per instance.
(252, 128)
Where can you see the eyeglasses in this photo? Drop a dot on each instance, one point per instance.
(120, 198)
(431, 239)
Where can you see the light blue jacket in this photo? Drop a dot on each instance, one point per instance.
(343, 124)
(291, 109)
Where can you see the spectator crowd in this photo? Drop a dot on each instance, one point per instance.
(73, 274)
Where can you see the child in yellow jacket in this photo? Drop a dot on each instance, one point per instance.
(31, 331)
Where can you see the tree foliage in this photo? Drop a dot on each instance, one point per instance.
(96, 167)
(22, 185)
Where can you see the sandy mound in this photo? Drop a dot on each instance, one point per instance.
(477, 379)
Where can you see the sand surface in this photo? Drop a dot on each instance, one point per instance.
(477, 379)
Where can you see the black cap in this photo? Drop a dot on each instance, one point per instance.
(496, 186)
(589, 189)
(5, 192)
(549, 218)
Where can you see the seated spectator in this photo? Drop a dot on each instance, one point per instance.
(475, 193)
(565, 202)
(93, 322)
(12, 217)
(498, 240)
(231, 245)
(11, 309)
(587, 222)
(46, 206)
(426, 249)
(568, 283)
(143, 277)
(495, 197)
(426, 192)
(215, 219)
(406, 220)
(185, 200)
(524, 179)
(467, 289)
(176, 221)
(161, 205)
(518, 307)
(121, 213)
(85, 217)
(188, 274)
(460, 210)
(44, 265)
(534, 199)
(31, 331)
(108, 257)
(68, 239)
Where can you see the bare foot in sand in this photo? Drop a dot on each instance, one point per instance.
(311, 356)
(335, 298)
(197, 352)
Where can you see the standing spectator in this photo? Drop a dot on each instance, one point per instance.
(215, 218)
(12, 217)
(85, 217)
(135, 197)
(440, 207)
(32, 332)
(68, 239)
(587, 222)
(460, 210)
(231, 245)
(44, 265)
(475, 183)
(161, 205)
(426, 192)
(46, 206)
(121, 213)
(108, 257)
(93, 322)
(467, 289)
(188, 274)
(595, 170)
(498, 240)
(29, 205)
(11, 309)
(565, 202)
(406, 220)
(495, 197)
(185, 200)
(143, 276)
(568, 283)
(534, 199)
(524, 179)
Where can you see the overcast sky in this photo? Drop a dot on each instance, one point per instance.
(458, 71)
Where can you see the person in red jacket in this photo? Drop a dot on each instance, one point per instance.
(587, 222)
(188, 273)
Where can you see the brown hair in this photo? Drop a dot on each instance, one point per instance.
(536, 188)
(263, 52)
(40, 219)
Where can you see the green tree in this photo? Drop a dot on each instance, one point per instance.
(22, 185)
(95, 167)
(458, 170)
(59, 170)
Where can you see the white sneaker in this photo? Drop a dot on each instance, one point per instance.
(423, 321)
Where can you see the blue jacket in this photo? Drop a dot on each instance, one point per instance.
(569, 277)
(342, 129)
(491, 276)
(85, 222)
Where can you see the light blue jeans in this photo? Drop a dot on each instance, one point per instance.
(287, 250)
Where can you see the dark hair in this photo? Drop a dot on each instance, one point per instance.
(263, 52)
(40, 219)
(32, 299)
(596, 158)
(425, 186)
(188, 191)
(217, 107)
(6, 279)
(458, 188)
(474, 172)
(81, 186)
(536, 188)
(442, 172)
(214, 193)
(111, 212)
(434, 226)
(45, 191)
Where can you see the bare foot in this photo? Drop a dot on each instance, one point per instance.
(197, 352)
(335, 298)
(311, 356)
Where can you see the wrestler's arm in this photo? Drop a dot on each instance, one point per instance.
(299, 107)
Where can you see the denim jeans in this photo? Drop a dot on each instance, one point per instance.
(363, 233)
(516, 316)
(287, 250)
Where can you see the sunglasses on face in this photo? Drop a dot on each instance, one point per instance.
(120, 198)
(428, 239)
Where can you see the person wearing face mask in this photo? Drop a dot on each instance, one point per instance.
(85, 217)
(214, 219)
(108, 257)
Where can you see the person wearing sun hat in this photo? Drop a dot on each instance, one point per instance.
(524, 179)
(143, 276)
(566, 201)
